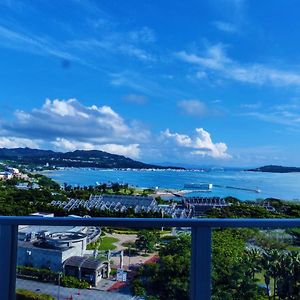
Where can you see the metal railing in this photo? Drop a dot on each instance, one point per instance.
(200, 280)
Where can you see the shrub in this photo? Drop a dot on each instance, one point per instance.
(22, 294)
(73, 282)
(43, 275)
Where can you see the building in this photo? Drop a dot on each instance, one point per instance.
(27, 186)
(111, 202)
(6, 175)
(87, 268)
(197, 206)
(12, 170)
(49, 250)
(189, 207)
(49, 247)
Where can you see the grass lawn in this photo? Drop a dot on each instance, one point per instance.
(293, 248)
(261, 281)
(103, 243)
(107, 243)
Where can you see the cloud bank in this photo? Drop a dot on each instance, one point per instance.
(67, 125)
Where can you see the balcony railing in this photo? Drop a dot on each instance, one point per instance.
(200, 287)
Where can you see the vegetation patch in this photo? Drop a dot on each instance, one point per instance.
(238, 270)
(73, 282)
(103, 243)
(22, 294)
(44, 275)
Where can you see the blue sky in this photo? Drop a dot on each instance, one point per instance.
(199, 82)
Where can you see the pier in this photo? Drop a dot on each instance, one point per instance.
(238, 188)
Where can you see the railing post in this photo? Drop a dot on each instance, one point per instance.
(201, 264)
(8, 261)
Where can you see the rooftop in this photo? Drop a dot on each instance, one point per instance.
(83, 262)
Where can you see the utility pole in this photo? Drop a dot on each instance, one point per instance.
(58, 290)
(129, 248)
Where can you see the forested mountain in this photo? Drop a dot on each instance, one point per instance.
(77, 158)
(276, 169)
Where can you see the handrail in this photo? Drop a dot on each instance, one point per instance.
(150, 222)
(200, 286)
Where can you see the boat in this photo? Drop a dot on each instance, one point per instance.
(201, 186)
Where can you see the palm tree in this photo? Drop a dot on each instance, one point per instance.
(275, 257)
(266, 265)
(255, 256)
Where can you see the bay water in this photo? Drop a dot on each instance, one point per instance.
(283, 186)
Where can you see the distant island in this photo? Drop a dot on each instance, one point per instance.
(276, 169)
(78, 159)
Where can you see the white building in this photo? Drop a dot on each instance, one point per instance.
(50, 246)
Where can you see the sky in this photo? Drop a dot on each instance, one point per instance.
(213, 82)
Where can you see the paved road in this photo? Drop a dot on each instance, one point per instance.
(66, 293)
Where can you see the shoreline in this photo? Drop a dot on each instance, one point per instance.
(247, 183)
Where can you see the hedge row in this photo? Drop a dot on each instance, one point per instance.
(22, 294)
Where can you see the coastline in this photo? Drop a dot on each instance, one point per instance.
(281, 186)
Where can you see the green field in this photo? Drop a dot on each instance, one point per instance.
(103, 243)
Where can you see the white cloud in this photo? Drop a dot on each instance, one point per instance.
(254, 105)
(14, 142)
(200, 144)
(193, 107)
(224, 26)
(136, 44)
(148, 86)
(136, 52)
(131, 150)
(63, 108)
(201, 75)
(143, 35)
(219, 63)
(135, 98)
(214, 59)
(68, 125)
(69, 118)
(287, 118)
(287, 113)
(33, 44)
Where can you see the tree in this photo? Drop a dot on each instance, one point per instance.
(169, 278)
(284, 268)
(295, 232)
(232, 275)
(146, 241)
(253, 257)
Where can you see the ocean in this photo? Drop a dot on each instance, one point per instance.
(283, 186)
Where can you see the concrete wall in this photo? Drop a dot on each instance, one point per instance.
(40, 258)
(45, 258)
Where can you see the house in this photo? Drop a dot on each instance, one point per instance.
(6, 175)
(26, 186)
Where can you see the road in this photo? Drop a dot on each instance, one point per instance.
(66, 293)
